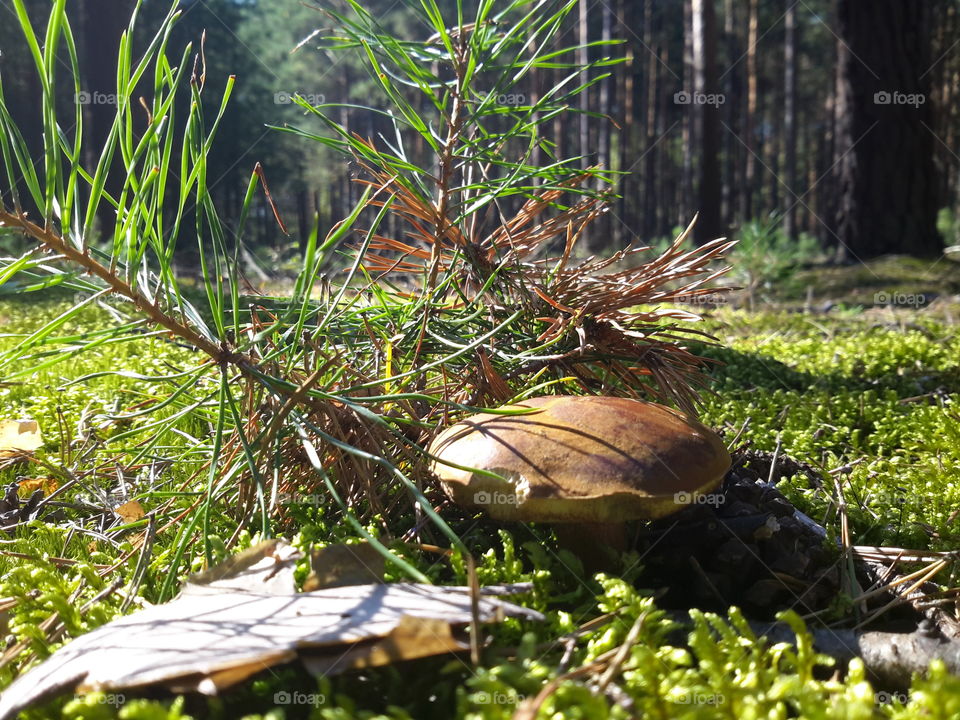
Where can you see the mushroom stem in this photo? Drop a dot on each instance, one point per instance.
(598, 545)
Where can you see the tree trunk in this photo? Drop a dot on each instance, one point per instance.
(102, 22)
(946, 84)
(887, 175)
(560, 120)
(790, 119)
(661, 183)
(606, 96)
(304, 218)
(750, 165)
(772, 112)
(533, 97)
(812, 154)
(706, 109)
(629, 202)
(603, 128)
(653, 182)
(690, 140)
(583, 36)
(831, 185)
(731, 108)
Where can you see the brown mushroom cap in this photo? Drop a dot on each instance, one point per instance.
(580, 459)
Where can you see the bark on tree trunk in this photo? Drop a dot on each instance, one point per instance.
(772, 112)
(583, 126)
(887, 176)
(605, 103)
(304, 219)
(707, 112)
(630, 199)
(731, 108)
(790, 120)
(662, 183)
(690, 140)
(533, 89)
(583, 35)
(653, 183)
(746, 205)
(606, 94)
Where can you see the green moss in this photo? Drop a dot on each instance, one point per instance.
(847, 390)
(836, 390)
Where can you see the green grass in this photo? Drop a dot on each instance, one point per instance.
(833, 389)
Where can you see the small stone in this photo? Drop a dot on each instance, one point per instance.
(777, 505)
(794, 564)
(765, 593)
(737, 508)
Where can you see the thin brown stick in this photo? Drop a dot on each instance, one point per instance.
(59, 561)
(55, 242)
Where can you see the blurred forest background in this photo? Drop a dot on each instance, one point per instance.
(834, 121)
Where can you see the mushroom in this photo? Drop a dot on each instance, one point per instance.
(586, 464)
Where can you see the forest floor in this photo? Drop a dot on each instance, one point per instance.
(862, 389)
(890, 281)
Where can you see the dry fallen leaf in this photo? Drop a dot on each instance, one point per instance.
(130, 511)
(412, 638)
(239, 623)
(28, 486)
(339, 565)
(18, 437)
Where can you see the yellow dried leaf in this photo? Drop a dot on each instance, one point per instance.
(18, 436)
(130, 511)
(28, 486)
